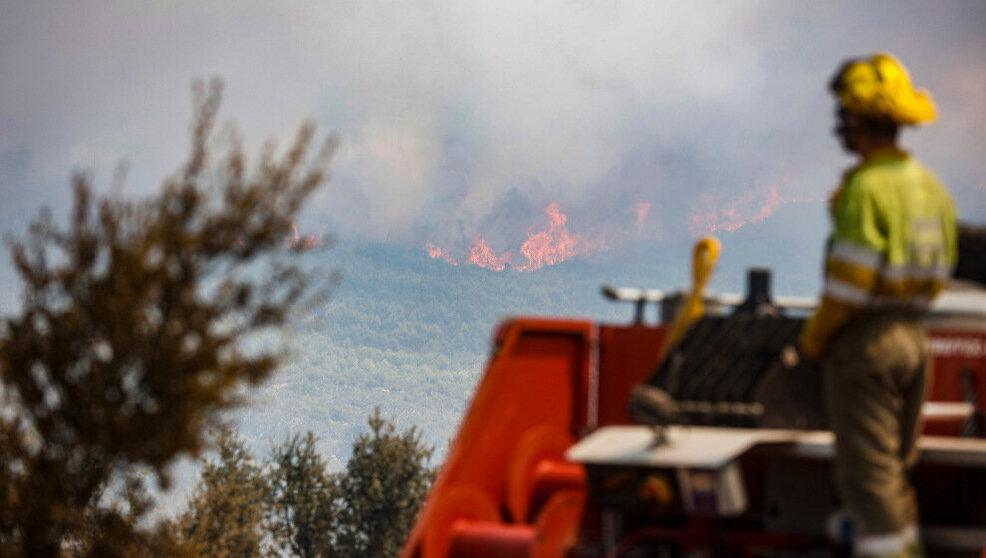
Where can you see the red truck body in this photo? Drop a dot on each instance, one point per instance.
(506, 488)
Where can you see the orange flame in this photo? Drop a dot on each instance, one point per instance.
(556, 244)
(641, 210)
(753, 206)
(483, 256)
(437, 252)
(308, 241)
(548, 247)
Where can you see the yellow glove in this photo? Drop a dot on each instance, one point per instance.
(818, 331)
(809, 342)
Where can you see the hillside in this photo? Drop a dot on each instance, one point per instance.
(411, 334)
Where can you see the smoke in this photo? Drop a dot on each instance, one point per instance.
(474, 109)
(641, 209)
(475, 119)
(464, 121)
(716, 216)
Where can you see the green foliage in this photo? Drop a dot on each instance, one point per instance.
(291, 505)
(226, 517)
(303, 498)
(384, 484)
(132, 332)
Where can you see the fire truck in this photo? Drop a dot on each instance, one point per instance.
(733, 459)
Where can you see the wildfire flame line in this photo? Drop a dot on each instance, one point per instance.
(542, 248)
(482, 255)
(753, 206)
(556, 244)
(437, 252)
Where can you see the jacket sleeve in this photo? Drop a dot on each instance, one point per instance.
(853, 260)
(949, 238)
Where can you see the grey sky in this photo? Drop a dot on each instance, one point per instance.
(466, 118)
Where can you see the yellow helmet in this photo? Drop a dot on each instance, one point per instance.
(880, 87)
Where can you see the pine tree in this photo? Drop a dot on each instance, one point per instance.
(226, 517)
(304, 500)
(382, 487)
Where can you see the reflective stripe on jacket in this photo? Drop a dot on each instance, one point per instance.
(893, 244)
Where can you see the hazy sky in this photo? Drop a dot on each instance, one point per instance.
(460, 119)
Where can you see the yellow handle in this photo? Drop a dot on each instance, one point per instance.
(704, 258)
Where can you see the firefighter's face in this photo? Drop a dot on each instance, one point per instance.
(848, 128)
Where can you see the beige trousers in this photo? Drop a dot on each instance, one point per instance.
(875, 377)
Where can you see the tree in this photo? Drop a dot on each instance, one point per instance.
(106, 523)
(303, 496)
(382, 487)
(226, 517)
(292, 506)
(364, 511)
(135, 315)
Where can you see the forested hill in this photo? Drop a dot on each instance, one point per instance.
(411, 334)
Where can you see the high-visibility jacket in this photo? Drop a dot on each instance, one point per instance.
(893, 244)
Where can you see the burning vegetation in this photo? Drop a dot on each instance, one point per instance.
(549, 246)
(480, 254)
(555, 243)
(753, 206)
(301, 242)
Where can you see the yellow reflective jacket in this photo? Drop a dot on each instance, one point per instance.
(893, 244)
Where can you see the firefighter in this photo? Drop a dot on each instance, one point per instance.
(892, 249)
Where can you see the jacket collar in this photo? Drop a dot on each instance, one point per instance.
(885, 155)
